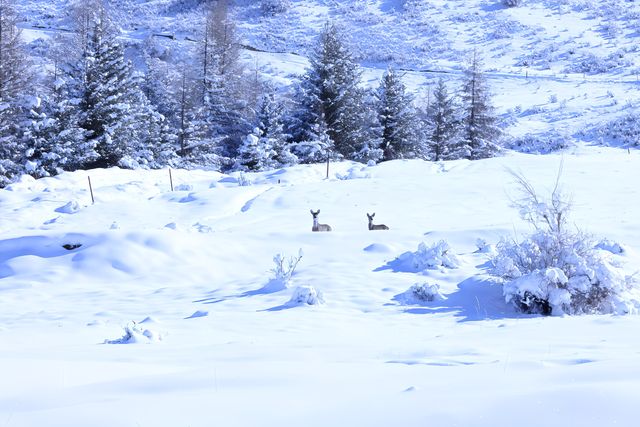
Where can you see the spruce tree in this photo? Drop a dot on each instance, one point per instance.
(398, 118)
(106, 97)
(443, 136)
(14, 84)
(120, 124)
(255, 153)
(224, 103)
(269, 118)
(329, 97)
(479, 130)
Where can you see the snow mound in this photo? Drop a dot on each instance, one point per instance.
(183, 187)
(306, 295)
(355, 172)
(70, 208)
(198, 313)
(378, 248)
(134, 333)
(609, 246)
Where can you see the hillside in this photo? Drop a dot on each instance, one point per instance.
(559, 71)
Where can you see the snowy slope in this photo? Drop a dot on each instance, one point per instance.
(559, 71)
(191, 266)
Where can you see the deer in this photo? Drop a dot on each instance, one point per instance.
(316, 226)
(373, 226)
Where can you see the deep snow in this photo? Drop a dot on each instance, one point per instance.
(191, 268)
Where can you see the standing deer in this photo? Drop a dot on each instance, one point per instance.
(373, 226)
(316, 226)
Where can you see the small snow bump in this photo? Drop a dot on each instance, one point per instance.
(198, 313)
(70, 208)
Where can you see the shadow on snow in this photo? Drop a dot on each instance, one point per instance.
(475, 299)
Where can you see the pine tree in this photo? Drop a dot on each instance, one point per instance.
(105, 100)
(14, 84)
(14, 65)
(269, 119)
(329, 97)
(398, 118)
(479, 122)
(120, 124)
(224, 104)
(318, 146)
(443, 141)
(256, 152)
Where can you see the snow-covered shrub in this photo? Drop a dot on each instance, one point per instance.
(557, 270)
(624, 130)
(593, 64)
(425, 292)
(282, 271)
(435, 256)
(243, 180)
(512, 3)
(505, 29)
(609, 246)
(420, 294)
(135, 333)
(484, 247)
(274, 7)
(306, 295)
(538, 144)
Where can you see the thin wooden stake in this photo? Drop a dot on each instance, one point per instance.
(327, 165)
(170, 179)
(93, 201)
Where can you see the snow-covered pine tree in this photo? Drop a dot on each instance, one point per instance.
(398, 118)
(370, 149)
(329, 93)
(269, 118)
(14, 64)
(442, 129)
(318, 146)
(69, 149)
(116, 116)
(14, 83)
(152, 144)
(225, 107)
(255, 153)
(36, 132)
(479, 130)
(106, 97)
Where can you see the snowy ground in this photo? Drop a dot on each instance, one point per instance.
(225, 351)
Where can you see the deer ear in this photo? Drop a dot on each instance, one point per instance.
(373, 214)
(311, 210)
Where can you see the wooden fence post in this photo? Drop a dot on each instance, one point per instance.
(93, 201)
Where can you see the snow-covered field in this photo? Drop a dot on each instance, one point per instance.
(224, 347)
